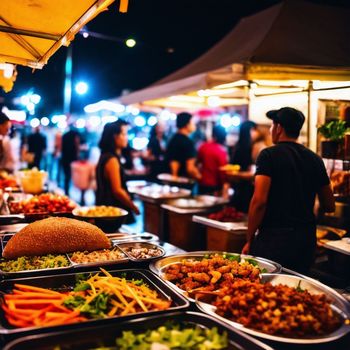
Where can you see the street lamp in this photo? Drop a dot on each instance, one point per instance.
(81, 88)
(130, 43)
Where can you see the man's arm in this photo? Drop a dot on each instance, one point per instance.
(326, 199)
(174, 167)
(192, 169)
(257, 208)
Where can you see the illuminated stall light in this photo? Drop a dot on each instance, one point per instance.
(104, 106)
(165, 115)
(226, 121)
(58, 117)
(236, 120)
(139, 143)
(152, 120)
(94, 121)
(45, 121)
(135, 111)
(24, 100)
(62, 124)
(35, 122)
(109, 119)
(17, 116)
(81, 88)
(213, 101)
(80, 123)
(140, 121)
(35, 98)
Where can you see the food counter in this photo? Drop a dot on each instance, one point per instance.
(153, 196)
(182, 231)
(224, 236)
(83, 306)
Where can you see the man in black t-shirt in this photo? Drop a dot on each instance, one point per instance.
(281, 222)
(180, 153)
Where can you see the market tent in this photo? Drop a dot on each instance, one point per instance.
(31, 31)
(291, 40)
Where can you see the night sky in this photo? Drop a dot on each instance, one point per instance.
(190, 27)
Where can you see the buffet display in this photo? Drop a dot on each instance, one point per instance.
(8, 181)
(55, 244)
(163, 331)
(238, 292)
(228, 214)
(283, 308)
(31, 305)
(45, 203)
(32, 180)
(107, 218)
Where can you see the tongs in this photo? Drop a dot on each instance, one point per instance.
(114, 237)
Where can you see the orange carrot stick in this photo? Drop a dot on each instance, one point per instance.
(35, 289)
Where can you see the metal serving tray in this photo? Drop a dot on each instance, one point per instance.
(125, 246)
(198, 202)
(160, 265)
(162, 192)
(338, 304)
(235, 227)
(95, 337)
(67, 282)
(98, 263)
(49, 270)
(24, 273)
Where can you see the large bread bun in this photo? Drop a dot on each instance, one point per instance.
(55, 236)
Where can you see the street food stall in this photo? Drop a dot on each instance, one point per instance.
(269, 60)
(66, 283)
(32, 31)
(182, 231)
(226, 230)
(152, 197)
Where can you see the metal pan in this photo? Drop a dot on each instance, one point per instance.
(24, 273)
(33, 272)
(162, 192)
(160, 265)
(99, 262)
(127, 249)
(338, 304)
(68, 281)
(95, 337)
(198, 202)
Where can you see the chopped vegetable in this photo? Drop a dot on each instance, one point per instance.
(98, 296)
(24, 263)
(173, 337)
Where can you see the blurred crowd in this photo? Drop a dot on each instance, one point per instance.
(191, 152)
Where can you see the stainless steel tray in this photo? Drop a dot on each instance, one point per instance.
(68, 281)
(99, 263)
(160, 265)
(236, 227)
(104, 336)
(3, 241)
(168, 178)
(32, 272)
(198, 202)
(124, 248)
(338, 304)
(162, 192)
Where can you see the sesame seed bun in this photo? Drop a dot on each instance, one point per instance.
(55, 235)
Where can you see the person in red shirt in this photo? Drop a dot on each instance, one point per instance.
(211, 156)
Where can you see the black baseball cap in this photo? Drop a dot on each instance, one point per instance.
(290, 118)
